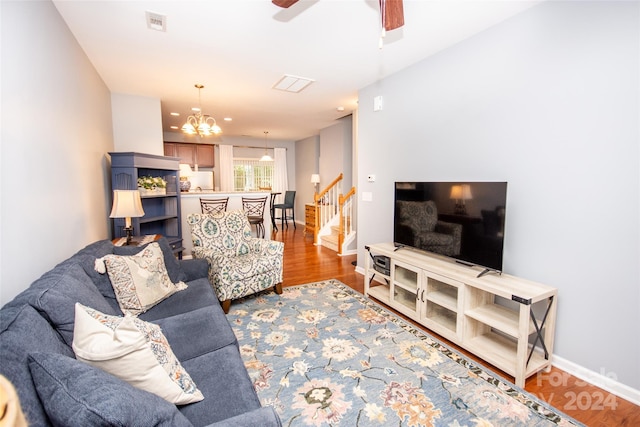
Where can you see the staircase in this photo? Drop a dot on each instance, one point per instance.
(334, 227)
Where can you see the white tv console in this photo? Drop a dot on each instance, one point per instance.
(470, 311)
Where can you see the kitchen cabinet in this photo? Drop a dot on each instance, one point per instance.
(161, 211)
(191, 154)
(205, 156)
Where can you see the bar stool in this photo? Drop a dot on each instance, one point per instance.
(272, 210)
(254, 208)
(289, 202)
(214, 205)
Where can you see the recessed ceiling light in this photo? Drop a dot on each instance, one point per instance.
(293, 84)
(195, 109)
(175, 114)
(228, 119)
(174, 127)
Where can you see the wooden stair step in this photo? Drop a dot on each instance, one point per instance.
(330, 241)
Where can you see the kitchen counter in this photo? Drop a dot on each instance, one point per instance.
(213, 194)
(190, 203)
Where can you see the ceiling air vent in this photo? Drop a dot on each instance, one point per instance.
(156, 21)
(292, 83)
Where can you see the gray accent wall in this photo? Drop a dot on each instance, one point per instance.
(56, 133)
(548, 101)
(307, 163)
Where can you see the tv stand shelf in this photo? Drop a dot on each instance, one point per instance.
(505, 320)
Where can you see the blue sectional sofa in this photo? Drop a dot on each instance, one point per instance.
(36, 334)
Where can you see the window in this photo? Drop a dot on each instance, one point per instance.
(251, 174)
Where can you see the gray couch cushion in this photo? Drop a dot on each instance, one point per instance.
(22, 331)
(198, 294)
(74, 393)
(208, 324)
(101, 281)
(262, 417)
(60, 289)
(86, 258)
(195, 268)
(225, 384)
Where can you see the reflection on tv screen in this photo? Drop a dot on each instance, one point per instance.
(462, 220)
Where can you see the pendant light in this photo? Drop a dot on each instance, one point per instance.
(266, 157)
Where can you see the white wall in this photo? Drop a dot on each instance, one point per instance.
(137, 124)
(56, 129)
(548, 101)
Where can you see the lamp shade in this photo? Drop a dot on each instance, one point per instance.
(315, 178)
(461, 192)
(126, 204)
(185, 170)
(466, 192)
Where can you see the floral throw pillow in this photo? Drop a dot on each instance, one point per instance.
(134, 351)
(139, 281)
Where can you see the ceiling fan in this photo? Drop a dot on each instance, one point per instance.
(391, 12)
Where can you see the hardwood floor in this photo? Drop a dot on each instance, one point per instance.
(305, 263)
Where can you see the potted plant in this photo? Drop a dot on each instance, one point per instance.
(152, 185)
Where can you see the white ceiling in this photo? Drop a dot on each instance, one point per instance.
(238, 49)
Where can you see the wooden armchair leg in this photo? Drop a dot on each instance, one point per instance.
(226, 305)
(278, 288)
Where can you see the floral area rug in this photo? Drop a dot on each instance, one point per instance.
(324, 355)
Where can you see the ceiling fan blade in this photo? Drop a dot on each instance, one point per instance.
(284, 3)
(392, 14)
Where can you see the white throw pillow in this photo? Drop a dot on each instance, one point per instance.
(139, 281)
(134, 351)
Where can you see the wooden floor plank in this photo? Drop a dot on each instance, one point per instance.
(305, 263)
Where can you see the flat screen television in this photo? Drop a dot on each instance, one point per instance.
(461, 220)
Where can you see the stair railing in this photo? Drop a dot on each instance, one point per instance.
(331, 203)
(346, 217)
(327, 202)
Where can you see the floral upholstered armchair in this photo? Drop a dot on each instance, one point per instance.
(239, 264)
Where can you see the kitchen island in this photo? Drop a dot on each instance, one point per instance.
(190, 203)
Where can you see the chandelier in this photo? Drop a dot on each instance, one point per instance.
(201, 124)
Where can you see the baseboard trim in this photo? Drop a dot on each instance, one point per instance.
(598, 379)
(601, 380)
(349, 252)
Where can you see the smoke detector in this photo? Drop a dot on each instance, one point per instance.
(156, 21)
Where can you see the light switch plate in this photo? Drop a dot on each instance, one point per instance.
(377, 103)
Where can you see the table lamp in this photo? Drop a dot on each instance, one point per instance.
(185, 174)
(315, 180)
(127, 205)
(460, 193)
